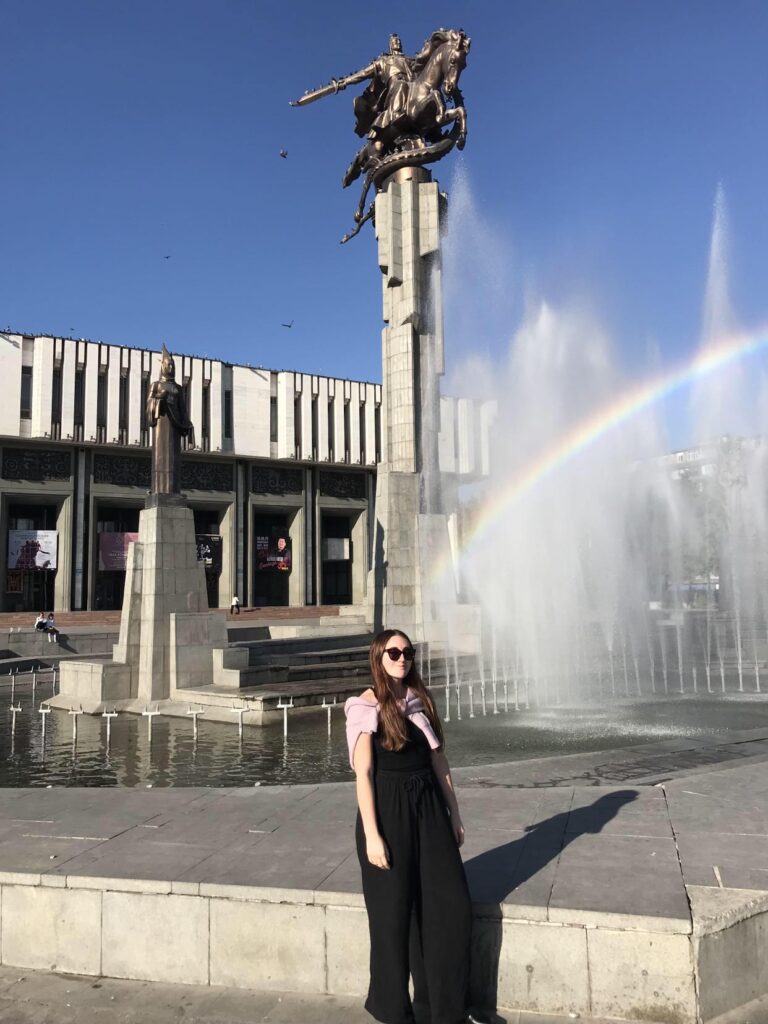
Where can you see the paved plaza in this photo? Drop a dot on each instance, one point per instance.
(38, 998)
(530, 828)
(590, 896)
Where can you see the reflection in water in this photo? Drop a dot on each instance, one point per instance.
(40, 750)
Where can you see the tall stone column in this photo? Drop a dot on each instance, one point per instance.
(411, 527)
(411, 536)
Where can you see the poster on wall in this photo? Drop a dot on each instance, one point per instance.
(209, 551)
(32, 549)
(273, 550)
(14, 582)
(113, 550)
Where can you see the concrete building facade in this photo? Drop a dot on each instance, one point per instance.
(277, 454)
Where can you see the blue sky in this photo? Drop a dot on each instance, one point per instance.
(599, 130)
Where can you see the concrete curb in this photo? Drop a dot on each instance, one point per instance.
(317, 942)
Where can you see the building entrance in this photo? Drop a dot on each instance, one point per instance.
(32, 550)
(272, 559)
(209, 552)
(336, 552)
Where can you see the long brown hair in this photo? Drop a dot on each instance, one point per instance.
(390, 716)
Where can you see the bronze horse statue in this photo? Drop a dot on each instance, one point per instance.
(403, 111)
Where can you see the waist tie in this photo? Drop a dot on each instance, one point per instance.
(416, 786)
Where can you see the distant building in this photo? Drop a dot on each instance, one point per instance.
(279, 454)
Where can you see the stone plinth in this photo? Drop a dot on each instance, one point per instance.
(412, 527)
(169, 640)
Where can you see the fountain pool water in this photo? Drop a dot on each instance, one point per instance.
(45, 750)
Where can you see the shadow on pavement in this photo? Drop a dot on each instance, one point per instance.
(493, 875)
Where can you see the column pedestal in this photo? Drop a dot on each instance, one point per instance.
(169, 640)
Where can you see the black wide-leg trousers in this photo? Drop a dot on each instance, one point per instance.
(426, 878)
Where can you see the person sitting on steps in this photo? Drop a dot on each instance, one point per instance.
(50, 629)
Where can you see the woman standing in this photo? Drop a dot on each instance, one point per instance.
(408, 837)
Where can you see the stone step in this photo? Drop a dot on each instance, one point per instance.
(337, 627)
(340, 621)
(335, 655)
(31, 644)
(274, 675)
(304, 645)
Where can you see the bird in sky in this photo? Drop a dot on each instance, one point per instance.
(283, 153)
(287, 325)
(166, 257)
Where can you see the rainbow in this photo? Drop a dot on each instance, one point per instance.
(588, 430)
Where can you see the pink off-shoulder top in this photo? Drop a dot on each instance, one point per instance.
(362, 716)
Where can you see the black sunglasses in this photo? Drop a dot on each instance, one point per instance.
(394, 652)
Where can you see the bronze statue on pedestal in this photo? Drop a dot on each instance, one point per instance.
(167, 413)
(403, 110)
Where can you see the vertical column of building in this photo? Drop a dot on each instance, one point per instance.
(447, 437)
(68, 368)
(340, 443)
(370, 424)
(136, 397)
(42, 391)
(322, 420)
(309, 535)
(90, 389)
(353, 420)
(286, 393)
(81, 529)
(242, 489)
(113, 370)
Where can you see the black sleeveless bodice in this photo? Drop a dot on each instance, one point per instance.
(414, 756)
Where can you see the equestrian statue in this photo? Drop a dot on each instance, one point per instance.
(403, 110)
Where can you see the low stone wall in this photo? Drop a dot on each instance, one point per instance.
(305, 941)
(33, 644)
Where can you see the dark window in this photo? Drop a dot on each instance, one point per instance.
(26, 392)
(145, 389)
(123, 403)
(101, 401)
(206, 425)
(346, 431)
(56, 396)
(331, 429)
(273, 418)
(206, 411)
(297, 425)
(187, 389)
(79, 402)
(228, 414)
(362, 432)
(377, 428)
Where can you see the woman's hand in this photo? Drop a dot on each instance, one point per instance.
(377, 852)
(458, 831)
